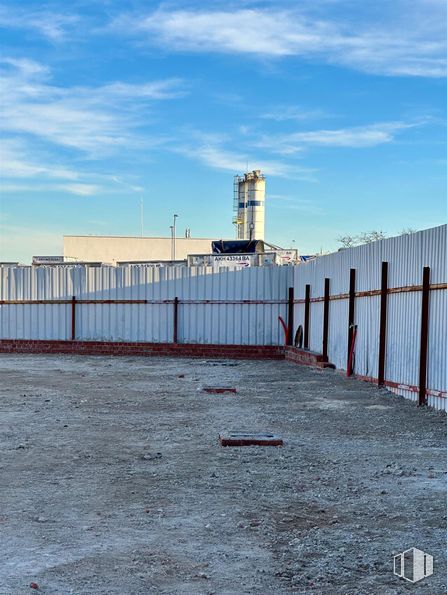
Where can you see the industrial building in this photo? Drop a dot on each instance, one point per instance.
(249, 219)
(248, 249)
(116, 249)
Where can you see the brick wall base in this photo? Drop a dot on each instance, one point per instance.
(306, 358)
(292, 354)
(144, 349)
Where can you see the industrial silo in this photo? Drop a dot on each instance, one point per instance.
(249, 205)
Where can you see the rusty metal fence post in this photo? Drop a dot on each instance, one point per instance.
(175, 334)
(424, 336)
(326, 318)
(290, 304)
(306, 317)
(383, 321)
(351, 317)
(73, 318)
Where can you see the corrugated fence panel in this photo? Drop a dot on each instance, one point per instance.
(407, 256)
(367, 319)
(249, 323)
(403, 334)
(338, 333)
(225, 323)
(34, 321)
(437, 349)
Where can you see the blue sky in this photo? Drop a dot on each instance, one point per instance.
(341, 103)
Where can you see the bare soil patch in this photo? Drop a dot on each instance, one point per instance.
(113, 481)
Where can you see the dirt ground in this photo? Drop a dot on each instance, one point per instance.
(113, 481)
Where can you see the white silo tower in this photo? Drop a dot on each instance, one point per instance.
(249, 205)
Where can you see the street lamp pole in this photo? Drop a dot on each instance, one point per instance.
(174, 236)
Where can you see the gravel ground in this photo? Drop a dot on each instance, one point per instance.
(113, 482)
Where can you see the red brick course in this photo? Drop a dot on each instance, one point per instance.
(307, 358)
(292, 354)
(142, 349)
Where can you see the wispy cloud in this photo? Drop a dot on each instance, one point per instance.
(96, 121)
(212, 152)
(51, 25)
(22, 172)
(356, 137)
(412, 44)
(15, 163)
(216, 150)
(293, 113)
(291, 203)
(77, 189)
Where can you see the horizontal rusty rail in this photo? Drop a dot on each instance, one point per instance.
(375, 292)
(149, 302)
(340, 296)
(78, 301)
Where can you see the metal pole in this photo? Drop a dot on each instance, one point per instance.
(173, 235)
(142, 216)
(175, 334)
(290, 317)
(351, 314)
(306, 317)
(383, 316)
(73, 318)
(424, 336)
(326, 319)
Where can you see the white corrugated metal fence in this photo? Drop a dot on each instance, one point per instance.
(242, 307)
(231, 307)
(406, 256)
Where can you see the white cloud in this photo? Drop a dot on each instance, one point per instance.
(355, 137)
(80, 189)
(303, 205)
(77, 189)
(15, 163)
(21, 172)
(211, 149)
(167, 89)
(215, 156)
(51, 25)
(293, 113)
(97, 121)
(411, 43)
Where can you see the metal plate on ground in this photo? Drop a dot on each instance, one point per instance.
(218, 390)
(249, 439)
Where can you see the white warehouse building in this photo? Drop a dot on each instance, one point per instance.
(249, 219)
(116, 249)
